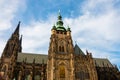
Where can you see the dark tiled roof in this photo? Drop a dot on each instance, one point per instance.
(78, 50)
(39, 58)
(102, 62)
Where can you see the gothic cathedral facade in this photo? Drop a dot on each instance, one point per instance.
(63, 64)
(65, 61)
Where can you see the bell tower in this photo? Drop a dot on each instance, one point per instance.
(60, 55)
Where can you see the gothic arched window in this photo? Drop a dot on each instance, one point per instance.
(61, 46)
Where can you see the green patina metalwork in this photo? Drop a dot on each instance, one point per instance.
(68, 29)
(59, 23)
(54, 27)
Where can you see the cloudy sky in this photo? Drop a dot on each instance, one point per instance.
(95, 24)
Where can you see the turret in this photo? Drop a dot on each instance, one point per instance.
(68, 31)
(53, 30)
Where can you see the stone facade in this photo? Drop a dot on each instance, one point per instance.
(63, 62)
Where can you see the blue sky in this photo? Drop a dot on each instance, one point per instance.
(95, 24)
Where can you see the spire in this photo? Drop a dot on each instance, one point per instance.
(59, 22)
(12, 44)
(17, 29)
(59, 16)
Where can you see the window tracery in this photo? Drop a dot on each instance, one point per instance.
(61, 46)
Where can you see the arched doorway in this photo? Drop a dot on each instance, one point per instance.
(62, 72)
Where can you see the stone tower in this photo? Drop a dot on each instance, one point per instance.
(60, 65)
(9, 55)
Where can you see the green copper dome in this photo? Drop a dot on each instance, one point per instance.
(61, 28)
(59, 23)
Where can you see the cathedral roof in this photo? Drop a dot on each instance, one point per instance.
(102, 62)
(78, 50)
(39, 58)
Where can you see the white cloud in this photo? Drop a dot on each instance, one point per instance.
(91, 32)
(98, 29)
(8, 10)
(36, 35)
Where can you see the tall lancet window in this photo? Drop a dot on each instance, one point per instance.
(61, 46)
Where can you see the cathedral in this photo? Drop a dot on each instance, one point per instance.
(65, 61)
